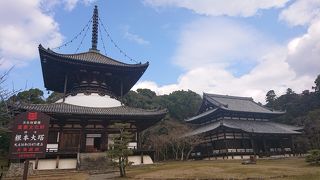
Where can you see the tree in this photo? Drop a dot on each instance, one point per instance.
(313, 157)
(312, 128)
(31, 96)
(270, 98)
(317, 84)
(118, 151)
(290, 91)
(54, 97)
(5, 114)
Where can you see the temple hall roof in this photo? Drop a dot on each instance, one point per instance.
(249, 126)
(236, 103)
(215, 106)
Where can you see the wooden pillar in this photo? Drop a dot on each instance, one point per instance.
(65, 87)
(266, 151)
(57, 161)
(36, 163)
(121, 91)
(253, 144)
(207, 149)
(281, 146)
(25, 169)
(212, 145)
(225, 142)
(60, 144)
(234, 140)
(215, 145)
(83, 136)
(138, 135)
(242, 145)
(104, 137)
(141, 157)
(292, 145)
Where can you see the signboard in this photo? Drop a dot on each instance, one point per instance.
(29, 135)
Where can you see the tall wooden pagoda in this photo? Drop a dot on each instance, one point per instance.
(92, 85)
(232, 126)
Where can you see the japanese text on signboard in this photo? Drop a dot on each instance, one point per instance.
(29, 135)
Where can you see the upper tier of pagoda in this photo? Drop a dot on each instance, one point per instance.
(88, 72)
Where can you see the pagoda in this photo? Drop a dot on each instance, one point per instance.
(234, 127)
(92, 85)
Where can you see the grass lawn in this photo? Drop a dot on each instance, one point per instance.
(287, 169)
(290, 168)
(3, 164)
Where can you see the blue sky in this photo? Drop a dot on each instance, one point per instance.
(242, 48)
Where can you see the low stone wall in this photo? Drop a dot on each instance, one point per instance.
(16, 170)
(94, 161)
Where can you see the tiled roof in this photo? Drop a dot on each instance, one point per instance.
(63, 108)
(202, 115)
(240, 104)
(263, 127)
(90, 57)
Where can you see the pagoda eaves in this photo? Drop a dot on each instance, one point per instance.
(89, 72)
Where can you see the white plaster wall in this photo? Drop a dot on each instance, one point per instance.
(50, 164)
(67, 164)
(92, 100)
(137, 160)
(45, 164)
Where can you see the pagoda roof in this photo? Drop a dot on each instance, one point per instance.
(249, 126)
(69, 109)
(90, 56)
(56, 66)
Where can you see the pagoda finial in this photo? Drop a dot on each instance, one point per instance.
(95, 24)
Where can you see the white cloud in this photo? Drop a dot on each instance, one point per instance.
(244, 8)
(69, 5)
(301, 12)
(208, 46)
(26, 24)
(206, 50)
(304, 52)
(221, 42)
(134, 37)
(23, 27)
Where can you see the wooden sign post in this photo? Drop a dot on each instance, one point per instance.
(29, 137)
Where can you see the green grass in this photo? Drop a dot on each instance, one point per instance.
(291, 168)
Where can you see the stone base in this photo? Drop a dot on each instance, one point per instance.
(94, 161)
(16, 170)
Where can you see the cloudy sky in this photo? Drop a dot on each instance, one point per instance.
(241, 48)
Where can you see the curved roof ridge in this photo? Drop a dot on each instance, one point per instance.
(72, 105)
(75, 109)
(90, 52)
(227, 96)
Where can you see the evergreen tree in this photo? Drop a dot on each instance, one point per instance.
(317, 84)
(270, 99)
(31, 96)
(118, 151)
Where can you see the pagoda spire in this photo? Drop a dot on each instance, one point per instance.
(95, 24)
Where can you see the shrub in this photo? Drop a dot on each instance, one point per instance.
(313, 157)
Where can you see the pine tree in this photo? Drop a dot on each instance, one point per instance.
(118, 151)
